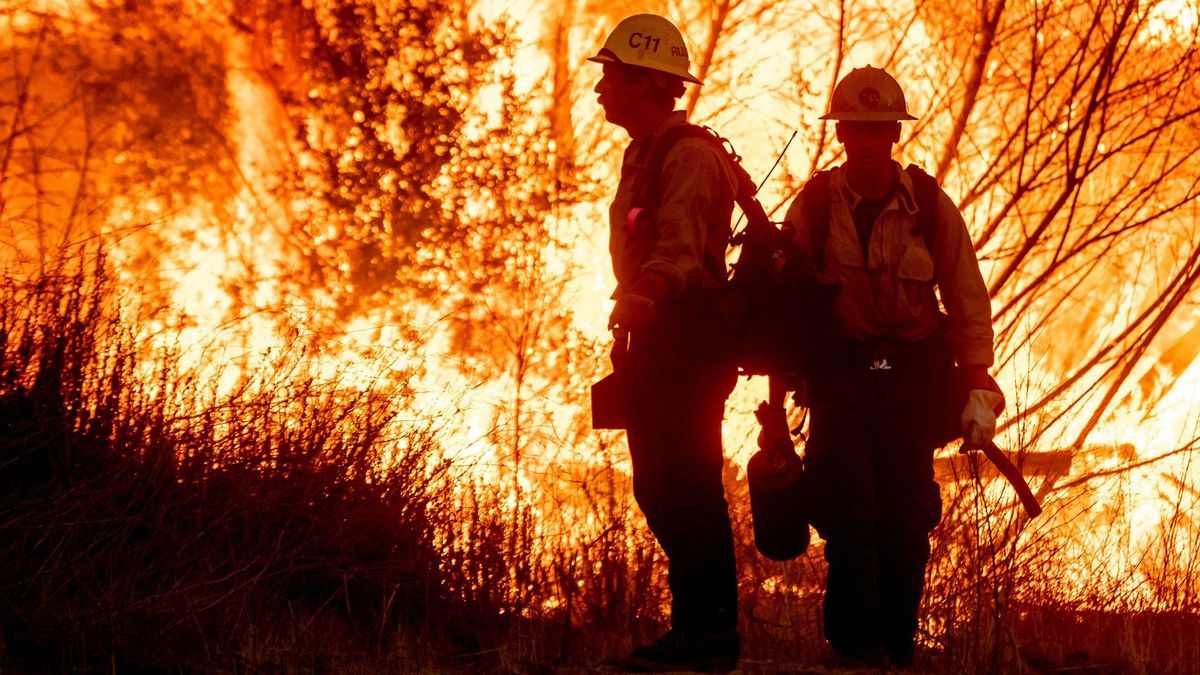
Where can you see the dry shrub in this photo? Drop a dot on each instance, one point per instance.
(1006, 594)
(147, 523)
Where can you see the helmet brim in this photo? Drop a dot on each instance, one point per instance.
(606, 56)
(867, 117)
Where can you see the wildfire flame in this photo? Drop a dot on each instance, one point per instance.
(763, 88)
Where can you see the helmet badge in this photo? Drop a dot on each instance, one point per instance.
(869, 97)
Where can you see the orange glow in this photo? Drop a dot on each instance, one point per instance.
(219, 279)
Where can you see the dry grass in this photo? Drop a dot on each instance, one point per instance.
(149, 523)
(143, 526)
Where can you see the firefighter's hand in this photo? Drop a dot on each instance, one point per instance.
(789, 231)
(632, 312)
(979, 416)
(620, 349)
(773, 433)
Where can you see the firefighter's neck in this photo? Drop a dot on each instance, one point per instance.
(651, 117)
(873, 181)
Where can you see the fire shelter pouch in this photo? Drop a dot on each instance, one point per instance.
(610, 402)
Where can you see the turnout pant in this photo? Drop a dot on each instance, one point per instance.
(875, 415)
(680, 386)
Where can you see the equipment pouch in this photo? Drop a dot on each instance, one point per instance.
(610, 402)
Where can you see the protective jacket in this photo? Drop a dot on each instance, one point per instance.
(890, 294)
(683, 245)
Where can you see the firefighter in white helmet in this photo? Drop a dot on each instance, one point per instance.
(669, 224)
(883, 391)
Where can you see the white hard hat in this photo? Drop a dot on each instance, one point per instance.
(648, 41)
(868, 95)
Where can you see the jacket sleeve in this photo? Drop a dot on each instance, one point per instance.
(963, 291)
(693, 179)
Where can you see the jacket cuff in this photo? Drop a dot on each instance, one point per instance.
(652, 285)
(975, 353)
(976, 377)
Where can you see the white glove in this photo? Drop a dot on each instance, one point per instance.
(979, 416)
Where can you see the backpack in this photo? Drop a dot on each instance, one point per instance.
(762, 306)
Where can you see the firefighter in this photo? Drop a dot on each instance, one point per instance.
(668, 255)
(877, 398)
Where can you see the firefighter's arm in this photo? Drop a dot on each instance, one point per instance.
(969, 308)
(693, 178)
(965, 295)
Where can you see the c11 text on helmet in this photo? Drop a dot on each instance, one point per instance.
(646, 41)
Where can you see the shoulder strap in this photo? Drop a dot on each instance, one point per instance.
(925, 190)
(649, 188)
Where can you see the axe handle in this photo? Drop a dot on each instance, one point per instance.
(997, 457)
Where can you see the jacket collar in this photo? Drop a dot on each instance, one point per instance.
(674, 119)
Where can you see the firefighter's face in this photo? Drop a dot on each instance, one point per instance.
(868, 144)
(620, 92)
